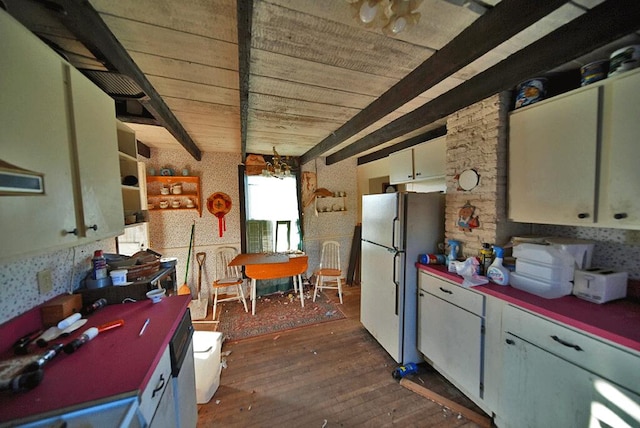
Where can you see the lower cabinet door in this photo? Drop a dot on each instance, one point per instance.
(451, 339)
(165, 416)
(540, 389)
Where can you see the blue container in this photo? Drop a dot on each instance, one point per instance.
(531, 91)
(404, 370)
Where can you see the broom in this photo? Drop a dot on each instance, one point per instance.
(184, 289)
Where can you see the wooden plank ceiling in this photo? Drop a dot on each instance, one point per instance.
(304, 75)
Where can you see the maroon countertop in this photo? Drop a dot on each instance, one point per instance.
(617, 321)
(116, 363)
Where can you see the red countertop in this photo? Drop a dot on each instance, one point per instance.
(115, 364)
(617, 321)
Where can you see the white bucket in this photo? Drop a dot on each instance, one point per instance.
(207, 347)
(118, 277)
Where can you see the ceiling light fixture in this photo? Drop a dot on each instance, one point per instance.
(393, 16)
(278, 167)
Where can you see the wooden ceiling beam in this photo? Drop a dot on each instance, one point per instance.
(86, 24)
(496, 26)
(245, 22)
(601, 25)
(410, 142)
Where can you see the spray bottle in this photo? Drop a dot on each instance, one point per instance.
(496, 272)
(454, 247)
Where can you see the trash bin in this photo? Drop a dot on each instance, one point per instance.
(207, 346)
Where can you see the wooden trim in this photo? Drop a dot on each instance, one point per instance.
(245, 21)
(577, 38)
(85, 22)
(414, 141)
(496, 26)
(482, 420)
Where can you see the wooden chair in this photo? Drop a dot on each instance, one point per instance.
(228, 277)
(329, 272)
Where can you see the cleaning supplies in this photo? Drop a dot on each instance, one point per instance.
(454, 247)
(497, 272)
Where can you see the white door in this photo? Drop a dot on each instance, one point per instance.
(620, 175)
(380, 297)
(379, 219)
(542, 390)
(452, 339)
(552, 160)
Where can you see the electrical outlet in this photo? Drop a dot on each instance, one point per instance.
(45, 282)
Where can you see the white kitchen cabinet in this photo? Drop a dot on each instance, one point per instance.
(451, 333)
(401, 166)
(422, 162)
(95, 141)
(157, 401)
(573, 158)
(556, 376)
(619, 204)
(55, 122)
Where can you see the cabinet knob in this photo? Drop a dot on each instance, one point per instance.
(510, 341)
(444, 290)
(421, 294)
(94, 227)
(583, 215)
(67, 232)
(620, 216)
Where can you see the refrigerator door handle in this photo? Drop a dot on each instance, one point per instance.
(393, 232)
(395, 279)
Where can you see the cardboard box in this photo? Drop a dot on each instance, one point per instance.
(60, 308)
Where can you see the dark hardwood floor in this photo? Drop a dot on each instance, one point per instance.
(327, 375)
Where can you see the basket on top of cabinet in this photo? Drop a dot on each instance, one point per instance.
(170, 193)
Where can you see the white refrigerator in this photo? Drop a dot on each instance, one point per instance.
(396, 229)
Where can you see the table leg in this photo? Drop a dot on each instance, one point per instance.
(301, 290)
(253, 296)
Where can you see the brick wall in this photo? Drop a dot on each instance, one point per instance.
(477, 139)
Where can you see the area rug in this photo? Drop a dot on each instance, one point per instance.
(274, 313)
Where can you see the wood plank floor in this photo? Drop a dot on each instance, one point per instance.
(327, 375)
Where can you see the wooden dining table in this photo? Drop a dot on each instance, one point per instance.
(271, 266)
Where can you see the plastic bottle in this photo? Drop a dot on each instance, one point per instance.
(89, 309)
(404, 370)
(497, 272)
(99, 265)
(454, 246)
(485, 258)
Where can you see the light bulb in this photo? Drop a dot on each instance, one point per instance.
(368, 12)
(398, 25)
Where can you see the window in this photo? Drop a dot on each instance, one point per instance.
(272, 216)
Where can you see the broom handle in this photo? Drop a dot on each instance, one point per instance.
(186, 273)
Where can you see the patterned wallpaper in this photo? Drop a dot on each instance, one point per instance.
(19, 290)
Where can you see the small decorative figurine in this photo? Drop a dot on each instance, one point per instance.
(466, 219)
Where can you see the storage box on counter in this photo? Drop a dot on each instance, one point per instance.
(59, 308)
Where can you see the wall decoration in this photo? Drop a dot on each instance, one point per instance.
(466, 219)
(467, 179)
(309, 185)
(219, 204)
(254, 164)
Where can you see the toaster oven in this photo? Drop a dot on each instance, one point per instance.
(600, 285)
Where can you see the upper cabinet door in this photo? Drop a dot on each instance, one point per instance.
(34, 136)
(401, 166)
(552, 160)
(96, 143)
(429, 159)
(620, 171)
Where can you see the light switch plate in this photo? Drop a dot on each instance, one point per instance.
(45, 282)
